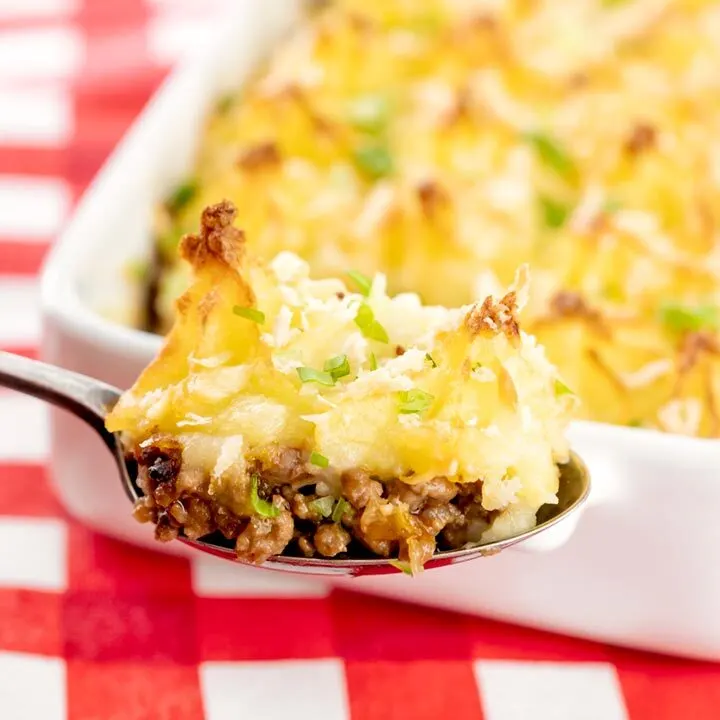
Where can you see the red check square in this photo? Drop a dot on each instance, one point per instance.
(31, 621)
(368, 628)
(128, 691)
(101, 564)
(264, 628)
(119, 628)
(421, 690)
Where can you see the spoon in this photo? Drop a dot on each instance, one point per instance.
(90, 400)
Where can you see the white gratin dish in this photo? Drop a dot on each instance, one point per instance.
(639, 568)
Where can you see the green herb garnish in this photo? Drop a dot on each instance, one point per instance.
(168, 242)
(323, 506)
(250, 314)
(401, 566)
(317, 459)
(138, 270)
(363, 282)
(181, 196)
(340, 508)
(635, 423)
(225, 103)
(683, 318)
(554, 213)
(337, 366)
(430, 359)
(373, 362)
(260, 506)
(612, 206)
(373, 161)
(562, 389)
(369, 326)
(308, 374)
(370, 113)
(414, 401)
(551, 153)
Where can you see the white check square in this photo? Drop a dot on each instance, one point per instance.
(34, 555)
(39, 116)
(24, 430)
(32, 687)
(212, 577)
(301, 689)
(32, 207)
(512, 690)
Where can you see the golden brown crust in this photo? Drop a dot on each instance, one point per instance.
(432, 197)
(571, 304)
(693, 346)
(260, 156)
(217, 240)
(495, 317)
(642, 137)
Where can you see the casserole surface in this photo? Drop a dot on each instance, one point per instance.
(445, 143)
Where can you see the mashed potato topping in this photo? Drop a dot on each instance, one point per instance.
(274, 391)
(445, 142)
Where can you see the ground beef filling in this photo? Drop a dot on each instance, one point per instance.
(358, 517)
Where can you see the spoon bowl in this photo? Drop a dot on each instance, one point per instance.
(91, 400)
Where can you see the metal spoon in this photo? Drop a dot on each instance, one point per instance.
(90, 400)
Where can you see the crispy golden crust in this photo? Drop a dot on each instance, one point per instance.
(495, 317)
(218, 239)
(263, 155)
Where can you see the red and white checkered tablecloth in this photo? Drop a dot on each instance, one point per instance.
(91, 629)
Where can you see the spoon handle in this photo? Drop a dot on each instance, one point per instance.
(84, 397)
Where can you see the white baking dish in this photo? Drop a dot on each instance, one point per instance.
(640, 568)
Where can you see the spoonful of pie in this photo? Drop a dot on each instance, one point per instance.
(298, 424)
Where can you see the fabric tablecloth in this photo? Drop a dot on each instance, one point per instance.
(92, 629)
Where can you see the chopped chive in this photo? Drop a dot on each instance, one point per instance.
(250, 314)
(323, 506)
(551, 153)
(554, 213)
(168, 242)
(260, 506)
(308, 374)
(612, 206)
(373, 362)
(562, 389)
(138, 270)
(317, 459)
(430, 359)
(613, 3)
(369, 326)
(370, 113)
(363, 282)
(337, 366)
(373, 161)
(181, 196)
(403, 567)
(635, 423)
(683, 318)
(414, 401)
(339, 511)
(225, 103)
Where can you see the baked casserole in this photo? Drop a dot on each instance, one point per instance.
(446, 142)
